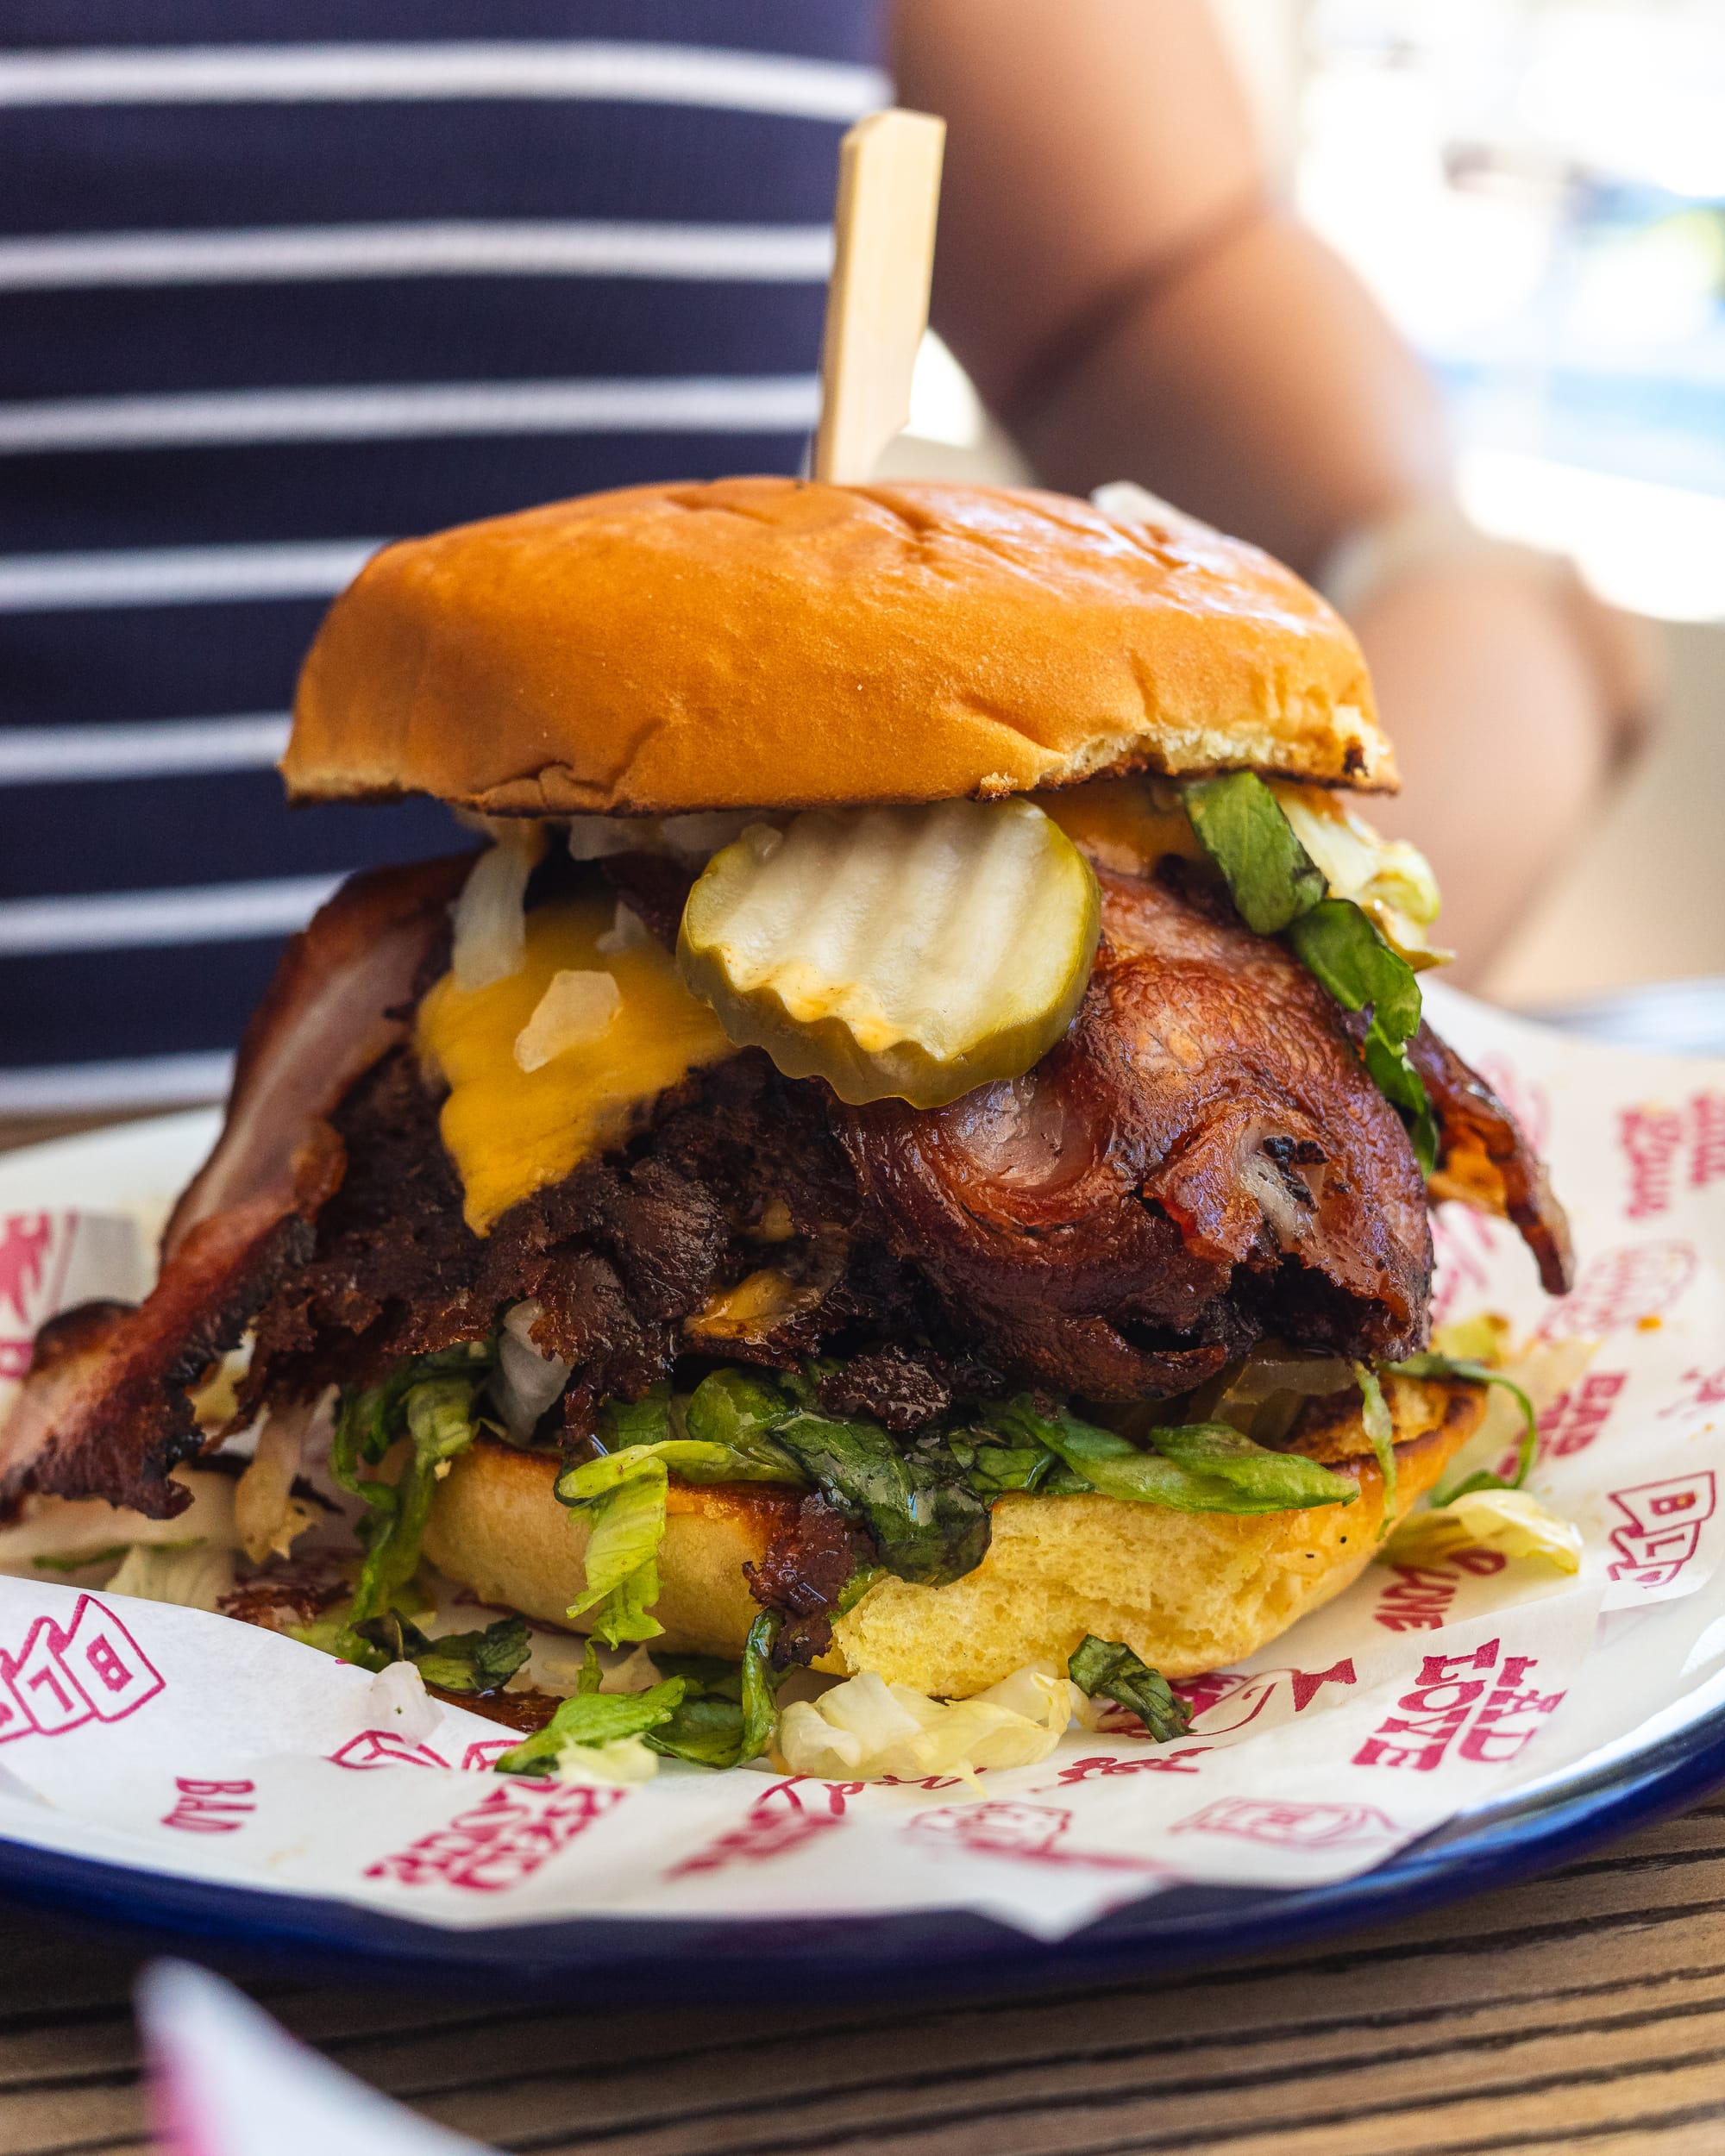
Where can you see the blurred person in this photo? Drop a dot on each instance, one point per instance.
(288, 277)
(1117, 277)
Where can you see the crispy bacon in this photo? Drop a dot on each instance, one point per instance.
(338, 1002)
(105, 1408)
(1203, 1159)
(1486, 1162)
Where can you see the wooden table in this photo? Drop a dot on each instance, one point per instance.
(1582, 2012)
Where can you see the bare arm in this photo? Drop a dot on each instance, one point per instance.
(1130, 302)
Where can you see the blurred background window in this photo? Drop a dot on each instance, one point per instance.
(1536, 190)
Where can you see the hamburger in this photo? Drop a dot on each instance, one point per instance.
(906, 1151)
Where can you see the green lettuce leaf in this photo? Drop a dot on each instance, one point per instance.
(1202, 1466)
(1480, 1374)
(427, 1401)
(594, 1718)
(623, 1495)
(927, 1523)
(1381, 1429)
(1107, 1667)
(1241, 825)
(1278, 889)
(996, 1466)
(475, 1662)
(79, 1560)
(625, 1424)
(1339, 944)
(728, 1710)
(1265, 1481)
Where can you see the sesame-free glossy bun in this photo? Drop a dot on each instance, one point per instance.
(773, 643)
(1188, 1591)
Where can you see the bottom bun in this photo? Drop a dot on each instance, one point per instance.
(1188, 1591)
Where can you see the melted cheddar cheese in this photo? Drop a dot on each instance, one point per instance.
(1127, 824)
(512, 1131)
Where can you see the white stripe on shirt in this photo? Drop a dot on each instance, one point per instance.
(757, 254)
(763, 404)
(783, 84)
(122, 920)
(139, 1081)
(180, 576)
(142, 749)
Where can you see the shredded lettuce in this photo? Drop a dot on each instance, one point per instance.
(1480, 1374)
(623, 1496)
(1278, 889)
(1379, 1427)
(1108, 1667)
(429, 1401)
(1199, 1467)
(918, 1501)
(727, 1712)
(477, 1662)
(1339, 945)
(1500, 1518)
(593, 1721)
(79, 1560)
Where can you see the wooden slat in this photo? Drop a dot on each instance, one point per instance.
(1583, 2012)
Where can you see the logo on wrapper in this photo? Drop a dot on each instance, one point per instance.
(92, 1670)
(1484, 1710)
(49, 1260)
(1666, 1149)
(1284, 1823)
(1621, 1288)
(1663, 1531)
(504, 1839)
(1021, 1832)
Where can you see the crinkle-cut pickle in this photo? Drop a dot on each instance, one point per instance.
(915, 953)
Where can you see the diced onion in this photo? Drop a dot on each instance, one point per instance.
(693, 838)
(491, 922)
(576, 1010)
(865, 1728)
(628, 932)
(266, 1514)
(528, 1381)
(397, 1700)
(594, 837)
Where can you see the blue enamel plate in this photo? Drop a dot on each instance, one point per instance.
(927, 1955)
(1588, 1779)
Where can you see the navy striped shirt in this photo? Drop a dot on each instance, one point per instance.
(279, 282)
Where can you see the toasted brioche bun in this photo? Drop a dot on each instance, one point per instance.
(1188, 1591)
(773, 643)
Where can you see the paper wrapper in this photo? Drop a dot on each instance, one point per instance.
(181, 1742)
(226, 2081)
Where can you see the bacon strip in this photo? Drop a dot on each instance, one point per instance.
(1201, 1160)
(1486, 1162)
(335, 1008)
(105, 1408)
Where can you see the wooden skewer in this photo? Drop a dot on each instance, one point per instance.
(877, 303)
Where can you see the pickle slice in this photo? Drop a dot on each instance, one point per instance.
(909, 952)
